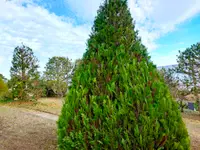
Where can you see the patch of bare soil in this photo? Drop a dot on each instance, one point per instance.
(192, 122)
(21, 130)
(25, 129)
(191, 97)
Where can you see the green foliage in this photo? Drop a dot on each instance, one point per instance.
(77, 63)
(37, 89)
(6, 101)
(59, 88)
(3, 88)
(196, 106)
(4, 78)
(57, 74)
(117, 99)
(23, 73)
(189, 66)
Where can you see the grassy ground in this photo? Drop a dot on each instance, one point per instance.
(50, 105)
(53, 106)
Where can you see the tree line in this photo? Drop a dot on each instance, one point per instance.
(27, 83)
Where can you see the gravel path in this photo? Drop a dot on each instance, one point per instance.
(22, 129)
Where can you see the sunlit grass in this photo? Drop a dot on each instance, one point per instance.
(50, 105)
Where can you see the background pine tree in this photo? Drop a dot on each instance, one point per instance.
(189, 66)
(24, 71)
(117, 99)
(3, 87)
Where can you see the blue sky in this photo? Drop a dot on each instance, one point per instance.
(61, 27)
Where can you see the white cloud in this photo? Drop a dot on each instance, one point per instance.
(155, 18)
(47, 34)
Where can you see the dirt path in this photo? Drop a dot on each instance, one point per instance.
(193, 127)
(22, 129)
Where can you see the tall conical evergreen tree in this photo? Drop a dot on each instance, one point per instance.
(117, 99)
